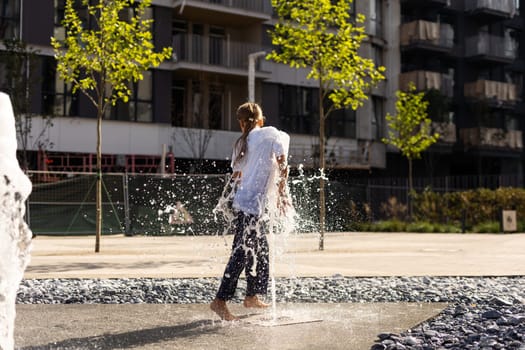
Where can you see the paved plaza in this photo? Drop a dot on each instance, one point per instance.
(347, 254)
(294, 326)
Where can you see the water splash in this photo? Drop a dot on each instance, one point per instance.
(305, 196)
(277, 222)
(15, 236)
(223, 211)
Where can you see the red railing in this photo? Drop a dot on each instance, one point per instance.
(111, 163)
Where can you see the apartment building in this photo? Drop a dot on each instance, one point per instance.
(467, 54)
(183, 112)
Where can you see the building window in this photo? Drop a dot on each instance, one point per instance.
(10, 19)
(206, 109)
(266, 40)
(353, 12)
(88, 21)
(377, 55)
(376, 15)
(57, 96)
(377, 118)
(197, 43)
(139, 108)
(298, 109)
(178, 98)
(179, 30)
(60, 6)
(217, 41)
(215, 106)
(341, 123)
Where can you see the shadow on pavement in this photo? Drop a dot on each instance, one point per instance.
(133, 338)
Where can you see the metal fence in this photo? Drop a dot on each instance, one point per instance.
(380, 190)
(63, 203)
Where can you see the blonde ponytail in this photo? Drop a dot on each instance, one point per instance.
(250, 113)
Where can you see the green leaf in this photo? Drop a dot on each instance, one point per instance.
(116, 51)
(410, 128)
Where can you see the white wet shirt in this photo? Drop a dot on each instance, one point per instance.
(259, 169)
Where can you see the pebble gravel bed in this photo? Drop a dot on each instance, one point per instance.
(484, 312)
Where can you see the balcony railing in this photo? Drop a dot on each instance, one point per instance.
(263, 6)
(213, 51)
(492, 137)
(446, 131)
(342, 157)
(488, 89)
(491, 45)
(426, 2)
(427, 80)
(427, 33)
(506, 8)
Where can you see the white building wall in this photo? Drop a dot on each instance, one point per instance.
(283, 74)
(70, 134)
(79, 135)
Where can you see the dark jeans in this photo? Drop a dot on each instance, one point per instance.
(250, 253)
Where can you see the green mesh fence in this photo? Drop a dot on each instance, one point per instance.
(64, 203)
(153, 198)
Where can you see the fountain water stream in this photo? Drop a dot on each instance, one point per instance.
(15, 236)
(276, 222)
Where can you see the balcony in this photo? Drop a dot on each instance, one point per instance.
(426, 3)
(492, 137)
(224, 12)
(491, 10)
(349, 154)
(491, 48)
(208, 53)
(492, 90)
(427, 80)
(425, 35)
(446, 131)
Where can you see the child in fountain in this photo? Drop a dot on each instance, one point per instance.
(260, 170)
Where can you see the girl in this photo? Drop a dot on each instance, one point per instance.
(260, 170)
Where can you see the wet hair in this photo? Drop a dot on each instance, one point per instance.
(250, 113)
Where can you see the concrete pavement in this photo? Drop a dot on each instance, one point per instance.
(152, 327)
(298, 326)
(347, 254)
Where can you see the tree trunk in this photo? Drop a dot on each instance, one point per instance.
(322, 199)
(410, 186)
(99, 183)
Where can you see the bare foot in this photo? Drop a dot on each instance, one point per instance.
(253, 301)
(220, 308)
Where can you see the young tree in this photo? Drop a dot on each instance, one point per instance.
(410, 129)
(197, 142)
(321, 36)
(19, 75)
(102, 56)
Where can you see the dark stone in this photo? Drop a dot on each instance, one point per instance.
(471, 338)
(383, 336)
(491, 314)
